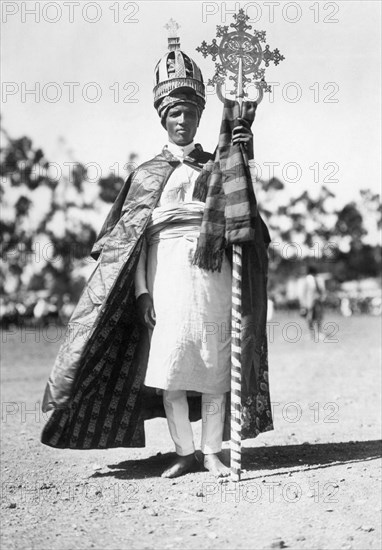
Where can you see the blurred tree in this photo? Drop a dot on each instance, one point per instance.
(112, 184)
(350, 224)
(110, 187)
(305, 228)
(47, 223)
(24, 183)
(372, 204)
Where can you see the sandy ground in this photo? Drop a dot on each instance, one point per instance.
(312, 483)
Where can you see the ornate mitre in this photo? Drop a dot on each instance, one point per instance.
(176, 73)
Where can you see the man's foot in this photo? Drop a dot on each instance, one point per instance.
(181, 466)
(214, 465)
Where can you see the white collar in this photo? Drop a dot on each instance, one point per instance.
(178, 151)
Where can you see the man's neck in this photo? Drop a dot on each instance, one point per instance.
(180, 151)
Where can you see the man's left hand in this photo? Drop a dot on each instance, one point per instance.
(242, 134)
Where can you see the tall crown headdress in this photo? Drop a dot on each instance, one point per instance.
(176, 71)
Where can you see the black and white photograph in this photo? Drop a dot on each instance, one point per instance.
(190, 273)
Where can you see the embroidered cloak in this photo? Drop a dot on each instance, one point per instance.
(96, 385)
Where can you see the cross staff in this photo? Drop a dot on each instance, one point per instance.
(240, 53)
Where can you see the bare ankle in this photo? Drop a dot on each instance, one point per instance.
(214, 465)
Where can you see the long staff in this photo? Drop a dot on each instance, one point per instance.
(240, 53)
(236, 330)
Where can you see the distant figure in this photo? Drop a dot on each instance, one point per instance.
(53, 314)
(311, 302)
(67, 309)
(270, 309)
(345, 307)
(376, 305)
(8, 314)
(41, 311)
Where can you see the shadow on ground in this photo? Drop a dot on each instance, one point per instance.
(298, 457)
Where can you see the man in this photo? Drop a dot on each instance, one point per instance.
(109, 377)
(311, 302)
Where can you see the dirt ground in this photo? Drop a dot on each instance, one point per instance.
(312, 483)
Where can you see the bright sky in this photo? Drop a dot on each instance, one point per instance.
(332, 62)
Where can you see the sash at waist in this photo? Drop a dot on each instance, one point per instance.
(175, 222)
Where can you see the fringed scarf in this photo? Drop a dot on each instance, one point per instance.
(225, 185)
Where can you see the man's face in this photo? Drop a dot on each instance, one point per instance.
(181, 123)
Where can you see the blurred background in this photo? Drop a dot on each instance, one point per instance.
(64, 158)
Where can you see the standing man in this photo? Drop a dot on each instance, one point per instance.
(177, 357)
(311, 302)
(179, 302)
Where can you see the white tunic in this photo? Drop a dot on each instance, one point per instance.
(190, 344)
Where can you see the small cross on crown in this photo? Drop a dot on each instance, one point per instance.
(172, 27)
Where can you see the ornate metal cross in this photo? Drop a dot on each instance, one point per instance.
(240, 53)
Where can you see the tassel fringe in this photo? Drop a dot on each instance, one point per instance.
(208, 258)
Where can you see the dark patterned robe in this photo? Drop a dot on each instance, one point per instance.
(96, 386)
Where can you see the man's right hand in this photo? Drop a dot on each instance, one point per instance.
(146, 310)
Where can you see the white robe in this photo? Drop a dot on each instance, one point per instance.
(191, 342)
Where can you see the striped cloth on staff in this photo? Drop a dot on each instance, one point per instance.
(230, 211)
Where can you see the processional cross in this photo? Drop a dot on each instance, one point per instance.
(241, 54)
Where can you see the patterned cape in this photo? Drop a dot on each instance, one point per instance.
(96, 386)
